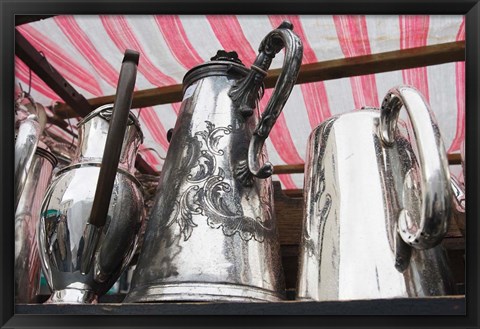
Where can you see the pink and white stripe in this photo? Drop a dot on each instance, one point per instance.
(314, 94)
(87, 50)
(460, 92)
(414, 33)
(105, 70)
(229, 33)
(66, 65)
(353, 37)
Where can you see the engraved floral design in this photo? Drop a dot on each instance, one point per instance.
(210, 193)
(320, 200)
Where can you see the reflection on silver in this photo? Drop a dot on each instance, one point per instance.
(68, 204)
(423, 221)
(27, 215)
(355, 190)
(25, 146)
(212, 235)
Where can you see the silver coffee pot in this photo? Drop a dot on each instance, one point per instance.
(93, 210)
(27, 216)
(378, 199)
(211, 235)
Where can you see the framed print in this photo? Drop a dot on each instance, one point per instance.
(239, 164)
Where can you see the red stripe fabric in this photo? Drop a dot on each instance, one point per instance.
(174, 34)
(314, 94)
(79, 39)
(229, 33)
(414, 33)
(148, 156)
(22, 73)
(460, 92)
(65, 64)
(353, 38)
(122, 35)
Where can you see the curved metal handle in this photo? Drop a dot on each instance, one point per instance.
(247, 92)
(111, 156)
(424, 222)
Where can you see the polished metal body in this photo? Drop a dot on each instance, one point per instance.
(212, 235)
(27, 216)
(358, 189)
(67, 207)
(30, 122)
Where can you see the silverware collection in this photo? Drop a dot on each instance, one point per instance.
(377, 197)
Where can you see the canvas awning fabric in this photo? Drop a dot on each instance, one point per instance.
(88, 51)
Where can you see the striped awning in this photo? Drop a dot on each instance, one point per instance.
(88, 51)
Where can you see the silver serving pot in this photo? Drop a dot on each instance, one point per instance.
(93, 209)
(212, 235)
(27, 216)
(377, 202)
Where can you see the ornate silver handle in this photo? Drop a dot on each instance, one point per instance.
(246, 93)
(423, 223)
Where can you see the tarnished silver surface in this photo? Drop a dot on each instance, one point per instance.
(67, 207)
(210, 237)
(27, 215)
(355, 189)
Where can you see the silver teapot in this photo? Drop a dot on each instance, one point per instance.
(93, 210)
(212, 235)
(27, 216)
(378, 201)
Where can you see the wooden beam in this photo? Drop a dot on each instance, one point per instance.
(39, 64)
(453, 159)
(327, 70)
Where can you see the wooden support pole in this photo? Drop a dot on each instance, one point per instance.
(453, 159)
(39, 64)
(327, 70)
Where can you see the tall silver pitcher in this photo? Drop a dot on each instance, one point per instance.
(377, 202)
(93, 210)
(27, 216)
(212, 234)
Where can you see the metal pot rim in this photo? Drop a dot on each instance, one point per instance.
(106, 107)
(212, 68)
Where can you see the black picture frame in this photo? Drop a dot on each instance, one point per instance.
(10, 8)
